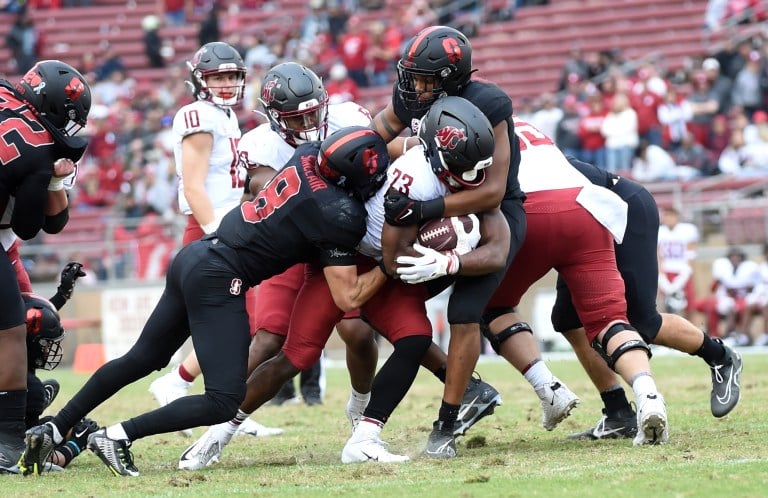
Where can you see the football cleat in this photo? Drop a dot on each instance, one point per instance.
(441, 442)
(169, 388)
(40, 443)
(652, 426)
(624, 425)
(206, 450)
(369, 448)
(10, 454)
(725, 383)
(115, 453)
(480, 399)
(557, 401)
(250, 427)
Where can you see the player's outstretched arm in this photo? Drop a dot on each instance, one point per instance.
(350, 290)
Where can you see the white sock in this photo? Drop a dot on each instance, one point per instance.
(177, 379)
(116, 432)
(366, 428)
(538, 375)
(357, 401)
(643, 384)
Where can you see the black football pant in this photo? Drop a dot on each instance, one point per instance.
(201, 299)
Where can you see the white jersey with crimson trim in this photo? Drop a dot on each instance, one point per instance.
(674, 246)
(410, 174)
(262, 146)
(544, 167)
(225, 180)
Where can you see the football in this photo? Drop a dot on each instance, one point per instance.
(444, 234)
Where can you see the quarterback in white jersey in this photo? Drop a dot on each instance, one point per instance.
(206, 133)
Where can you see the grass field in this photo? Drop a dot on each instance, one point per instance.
(508, 454)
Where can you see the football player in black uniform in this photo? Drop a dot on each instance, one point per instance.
(311, 211)
(39, 117)
(438, 62)
(636, 258)
(44, 335)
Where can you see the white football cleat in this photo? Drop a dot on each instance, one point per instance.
(206, 450)
(250, 427)
(369, 449)
(652, 425)
(557, 401)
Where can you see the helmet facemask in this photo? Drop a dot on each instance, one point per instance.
(406, 85)
(309, 123)
(204, 91)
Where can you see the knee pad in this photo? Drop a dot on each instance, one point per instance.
(496, 340)
(611, 359)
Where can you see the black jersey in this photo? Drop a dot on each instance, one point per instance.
(297, 217)
(622, 187)
(28, 150)
(497, 107)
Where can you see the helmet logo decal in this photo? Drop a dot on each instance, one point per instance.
(74, 89)
(267, 93)
(449, 137)
(34, 321)
(33, 79)
(452, 49)
(371, 161)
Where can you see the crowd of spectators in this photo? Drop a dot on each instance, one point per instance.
(634, 117)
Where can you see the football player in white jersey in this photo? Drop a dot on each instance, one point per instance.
(206, 134)
(677, 248)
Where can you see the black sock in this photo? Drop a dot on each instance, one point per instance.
(448, 414)
(711, 351)
(615, 401)
(440, 373)
(13, 406)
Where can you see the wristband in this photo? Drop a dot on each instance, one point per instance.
(433, 208)
(55, 184)
(383, 268)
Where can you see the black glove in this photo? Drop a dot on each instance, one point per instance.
(69, 276)
(400, 210)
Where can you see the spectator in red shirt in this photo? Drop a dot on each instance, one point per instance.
(592, 140)
(353, 48)
(645, 96)
(340, 87)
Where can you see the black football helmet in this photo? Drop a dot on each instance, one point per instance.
(44, 332)
(458, 141)
(296, 103)
(216, 58)
(356, 159)
(438, 52)
(59, 93)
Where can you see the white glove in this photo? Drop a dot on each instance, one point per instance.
(466, 241)
(431, 265)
